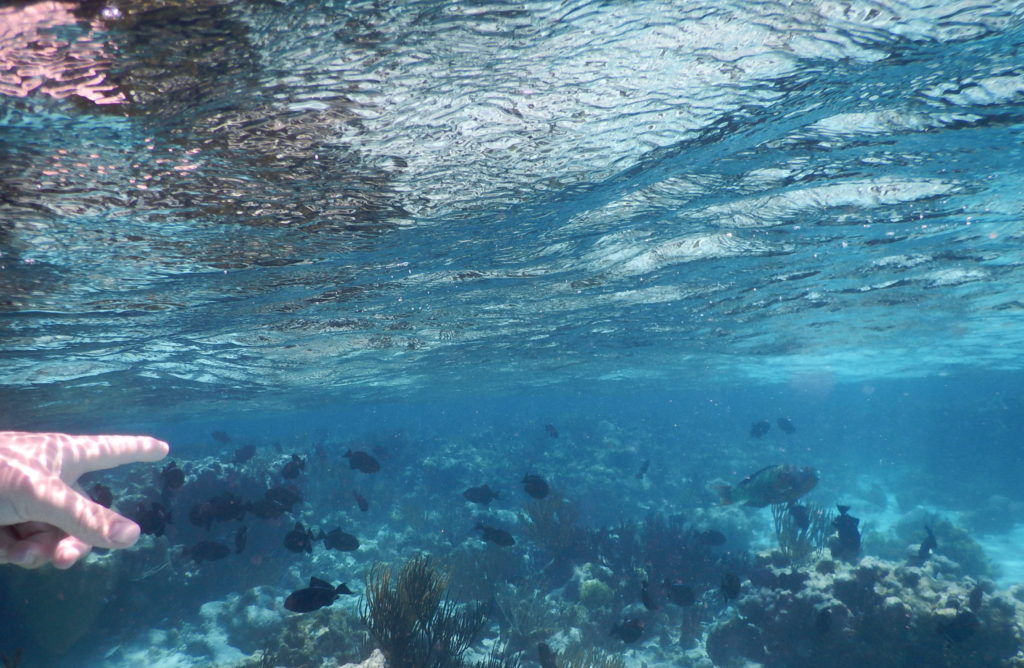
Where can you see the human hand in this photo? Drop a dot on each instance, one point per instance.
(44, 515)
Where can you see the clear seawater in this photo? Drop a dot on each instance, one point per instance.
(432, 228)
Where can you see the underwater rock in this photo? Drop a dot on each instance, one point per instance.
(376, 660)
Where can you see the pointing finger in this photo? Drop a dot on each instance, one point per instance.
(81, 454)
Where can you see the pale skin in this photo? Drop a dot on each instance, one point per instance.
(45, 517)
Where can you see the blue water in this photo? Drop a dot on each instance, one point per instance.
(437, 227)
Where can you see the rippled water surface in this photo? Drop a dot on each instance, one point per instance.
(209, 201)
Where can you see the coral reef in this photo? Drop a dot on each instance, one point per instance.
(801, 536)
(875, 613)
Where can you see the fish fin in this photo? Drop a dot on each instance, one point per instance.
(842, 509)
(724, 490)
(343, 589)
(317, 582)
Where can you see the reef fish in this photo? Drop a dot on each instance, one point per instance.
(336, 539)
(362, 461)
(846, 544)
(496, 536)
(153, 520)
(220, 436)
(760, 428)
(244, 453)
(317, 595)
(629, 630)
(927, 545)
(535, 486)
(208, 550)
(241, 537)
(361, 501)
(679, 593)
(299, 539)
(730, 586)
(293, 467)
(786, 425)
(173, 478)
(643, 469)
(482, 495)
(779, 483)
(551, 430)
(711, 537)
(102, 495)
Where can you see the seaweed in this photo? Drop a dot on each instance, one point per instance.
(412, 619)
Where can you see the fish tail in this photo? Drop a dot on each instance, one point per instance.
(724, 494)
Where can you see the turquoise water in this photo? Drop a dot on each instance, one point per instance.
(429, 230)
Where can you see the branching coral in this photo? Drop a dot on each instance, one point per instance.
(801, 536)
(414, 623)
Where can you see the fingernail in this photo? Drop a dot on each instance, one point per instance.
(124, 533)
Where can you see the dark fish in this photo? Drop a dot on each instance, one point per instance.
(823, 621)
(546, 656)
(293, 468)
(241, 537)
(337, 539)
(643, 469)
(550, 429)
(208, 550)
(244, 453)
(730, 586)
(220, 436)
(961, 627)
(153, 520)
(201, 515)
(780, 483)
(629, 631)
(927, 545)
(646, 598)
(361, 501)
(299, 539)
(975, 599)
(265, 509)
(227, 507)
(679, 593)
(759, 429)
(362, 461)
(283, 496)
(846, 544)
(172, 477)
(496, 536)
(102, 495)
(711, 537)
(482, 495)
(317, 595)
(786, 425)
(535, 486)
(800, 516)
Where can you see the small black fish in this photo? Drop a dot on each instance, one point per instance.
(227, 506)
(283, 496)
(629, 630)
(265, 509)
(293, 468)
(846, 544)
(337, 539)
(535, 486)
(550, 429)
(220, 436)
(785, 425)
(646, 598)
(959, 628)
(928, 545)
(153, 520)
(679, 593)
(711, 537)
(172, 477)
(361, 501)
(208, 550)
(643, 469)
(102, 495)
(244, 453)
(299, 539)
(482, 495)
(730, 586)
(823, 621)
(241, 537)
(496, 536)
(317, 595)
(800, 516)
(362, 461)
(759, 429)
(546, 656)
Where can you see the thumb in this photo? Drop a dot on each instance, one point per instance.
(60, 505)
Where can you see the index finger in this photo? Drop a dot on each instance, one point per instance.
(80, 454)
